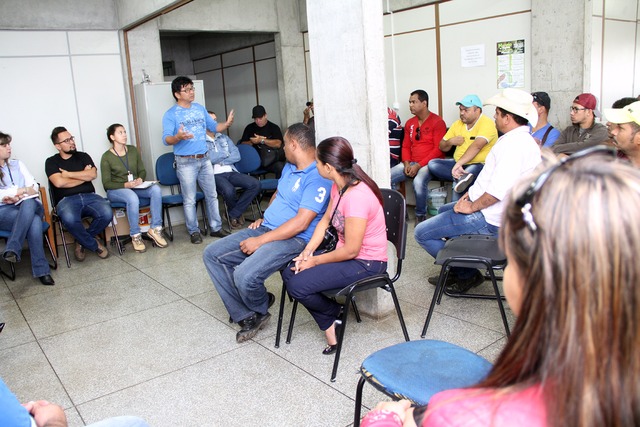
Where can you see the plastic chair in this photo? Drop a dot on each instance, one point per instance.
(167, 176)
(144, 203)
(417, 370)
(469, 251)
(395, 209)
(250, 164)
(12, 268)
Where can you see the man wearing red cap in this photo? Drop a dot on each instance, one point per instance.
(584, 131)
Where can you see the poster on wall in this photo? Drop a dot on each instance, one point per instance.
(510, 64)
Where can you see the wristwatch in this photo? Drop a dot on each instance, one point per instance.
(262, 140)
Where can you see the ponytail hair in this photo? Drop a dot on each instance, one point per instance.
(337, 152)
(5, 139)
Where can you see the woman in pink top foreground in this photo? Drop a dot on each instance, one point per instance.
(572, 235)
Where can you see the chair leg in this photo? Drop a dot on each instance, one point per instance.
(115, 236)
(280, 315)
(400, 317)
(437, 294)
(53, 266)
(166, 212)
(355, 309)
(500, 305)
(292, 320)
(205, 219)
(357, 411)
(345, 315)
(64, 244)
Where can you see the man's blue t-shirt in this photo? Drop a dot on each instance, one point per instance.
(298, 189)
(551, 138)
(195, 120)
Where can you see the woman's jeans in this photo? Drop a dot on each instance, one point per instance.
(131, 196)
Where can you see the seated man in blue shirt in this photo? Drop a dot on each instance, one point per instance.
(543, 133)
(239, 264)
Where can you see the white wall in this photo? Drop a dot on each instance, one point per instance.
(60, 78)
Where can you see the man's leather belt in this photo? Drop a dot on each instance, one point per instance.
(194, 156)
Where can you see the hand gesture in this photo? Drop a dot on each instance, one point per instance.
(183, 134)
(232, 114)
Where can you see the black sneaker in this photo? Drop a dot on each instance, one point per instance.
(463, 183)
(251, 325)
(220, 233)
(451, 279)
(272, 300)
(460, 286)
(419, 219)
(10, 256)
(196, 238)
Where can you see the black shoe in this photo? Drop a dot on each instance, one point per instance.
(330, 349)
(196, 238)
(463, 285)
(251, 325)
(419, 219)
(272, 300)
(47, 280)
(463, 183)
(220, 233)
(451, 279)
(10, 256)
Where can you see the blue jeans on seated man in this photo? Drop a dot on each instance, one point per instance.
(239, 278)
(420, 185)
(441, 169)
(72, 209)
(25, 222)
(190, 172)
(448, 224)
(226, 184)
(131, 196)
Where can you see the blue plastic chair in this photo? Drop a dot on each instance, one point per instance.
(416, 370)
(144, 203)
(250, 164)
(167, 176)
(12, 268)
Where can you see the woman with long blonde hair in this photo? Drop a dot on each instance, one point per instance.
(571, 235)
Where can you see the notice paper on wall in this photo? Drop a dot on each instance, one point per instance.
(510, 62)
(472, 56)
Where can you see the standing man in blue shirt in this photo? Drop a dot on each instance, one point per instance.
(239, 264)
(185, 127)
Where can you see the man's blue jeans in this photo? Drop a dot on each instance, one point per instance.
(420, 185)
(447, 224)
(441, 169)
(25, 222)
(190, 172)
(239, 278)
(226, 184)
(72, 209)
(131, 197)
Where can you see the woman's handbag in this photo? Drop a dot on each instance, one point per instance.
(330, 239)
(269, 155)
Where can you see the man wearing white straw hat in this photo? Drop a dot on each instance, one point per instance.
(479, 211)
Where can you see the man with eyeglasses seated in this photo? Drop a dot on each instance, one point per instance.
(422, 135)
(479, 211)
(624, 126)
(184, 127)
(584, 132)
(70, 174)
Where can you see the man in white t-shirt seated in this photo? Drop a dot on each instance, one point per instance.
(479, 211)
(223, 154)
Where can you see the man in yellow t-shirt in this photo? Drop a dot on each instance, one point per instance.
(473, 136)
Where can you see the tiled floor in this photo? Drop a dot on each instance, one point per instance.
(147, 335)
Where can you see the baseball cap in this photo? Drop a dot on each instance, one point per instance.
(542, 98)
(470, 100)
(258, 111)
(628, 114)
(588, 101)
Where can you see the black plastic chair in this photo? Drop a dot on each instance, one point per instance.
(395, 209)
(469, 251)
(167, 176)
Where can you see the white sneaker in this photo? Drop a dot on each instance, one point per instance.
(156, 235)
(463, 183)
(138, 244)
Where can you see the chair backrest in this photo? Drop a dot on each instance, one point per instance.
(249, 159)
(165, 170)
(395, 214)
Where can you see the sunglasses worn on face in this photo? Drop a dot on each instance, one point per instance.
(525, 200)
(418, 134)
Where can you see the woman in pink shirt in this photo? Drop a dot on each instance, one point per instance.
(362, 238)
(571, 234)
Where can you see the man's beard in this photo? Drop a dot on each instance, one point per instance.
(74, 151)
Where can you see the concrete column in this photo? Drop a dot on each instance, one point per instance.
(561, 56)
(347, 73)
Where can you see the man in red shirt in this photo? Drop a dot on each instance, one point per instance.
(422, 135)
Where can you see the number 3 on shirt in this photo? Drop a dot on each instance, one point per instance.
(322, 193)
